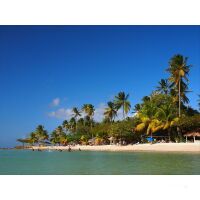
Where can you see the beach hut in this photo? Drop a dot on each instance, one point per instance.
(112, 140)
(193, 135)
(91, 141)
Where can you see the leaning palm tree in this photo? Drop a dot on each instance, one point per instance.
(179, 70)
(121, 101)
(167, 114)
(163, 86)
(110, 111)
(149, 121)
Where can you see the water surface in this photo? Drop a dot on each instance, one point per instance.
(85, 162)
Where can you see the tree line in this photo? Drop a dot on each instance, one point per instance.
(162, 112)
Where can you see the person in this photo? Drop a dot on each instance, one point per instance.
(69, 149)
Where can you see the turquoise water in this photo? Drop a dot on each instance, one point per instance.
(29, 162)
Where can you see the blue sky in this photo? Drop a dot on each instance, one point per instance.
(46, 70)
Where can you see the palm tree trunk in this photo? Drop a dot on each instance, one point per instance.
(91, 125)
(169, 131)
(123, 113)
(179, 98)
(179, 105)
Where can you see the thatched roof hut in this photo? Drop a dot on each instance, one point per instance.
(193, 134)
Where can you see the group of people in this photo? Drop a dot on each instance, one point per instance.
(60, 150)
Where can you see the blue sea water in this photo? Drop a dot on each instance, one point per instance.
(26, 162)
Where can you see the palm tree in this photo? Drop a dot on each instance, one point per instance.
(148, 119)
(183, 89)
(164, 86)
(72, 123)
(136, 108)
(76, 114)
(167, 114)
(199, 102)
(89, 110)
(121, 101)
(179, 71)
(41, 134)
(65, 125)
(33, 138)
(54, 137)
(110, 111)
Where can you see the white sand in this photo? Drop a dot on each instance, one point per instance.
(181, 147)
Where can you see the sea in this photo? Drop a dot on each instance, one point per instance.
(27, 162)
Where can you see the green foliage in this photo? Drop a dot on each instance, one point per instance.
(189, 123)
(156, 113)
(121, 101)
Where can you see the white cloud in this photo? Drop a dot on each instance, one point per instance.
(67, 113)
(61, 113)
(98, 113)
(55, 102)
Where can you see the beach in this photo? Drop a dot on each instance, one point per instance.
(160, 147)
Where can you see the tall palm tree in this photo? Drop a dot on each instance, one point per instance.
(163, 86)
(72, 123)
(89, 110)
(76, 114)
(65, 125)
(110, 111)
(179, 70)
(199, 102)
(136, 108)
(121, 101)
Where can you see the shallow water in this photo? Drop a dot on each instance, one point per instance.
(86, 162)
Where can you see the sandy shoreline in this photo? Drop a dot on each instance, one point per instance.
(164, 147)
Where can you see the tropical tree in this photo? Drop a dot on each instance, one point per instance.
(167, 115)
(76, 114)
(199, 102)
(54, 138)
(33, 138)
(72, 124)
(41, 134)
(89, 110)
(159, 113)
(110, 111)
(121, 101)
(136, 108)
(65, 125)
(148, 119)
(164, 86)
(179, 70)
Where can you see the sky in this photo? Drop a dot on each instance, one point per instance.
(47, 70)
